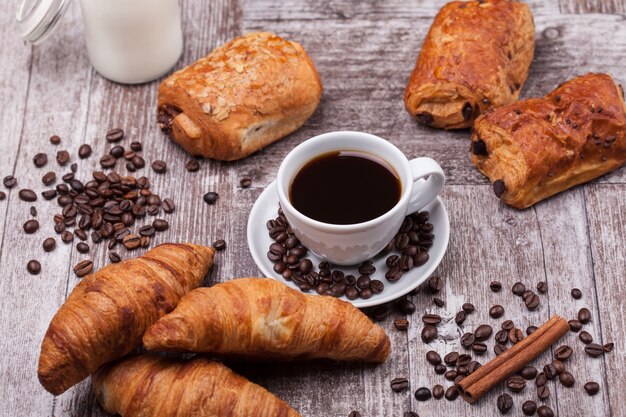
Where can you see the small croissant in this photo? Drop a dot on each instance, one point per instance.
(151, 386)
(108, 312)
(260, 318)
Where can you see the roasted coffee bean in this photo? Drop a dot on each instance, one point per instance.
(354, 414)
(584, 315)
(136, 146)
(542, 287)
(504, 403)
(545, 411)
(84, 151)
(483, 332)
(27, 195)
(458, 379)
(432, 319)
(394, 274)
(210, 197)
(49, 244)
(420, 258)
(96, 237)
(83, 268)
(376, 287)
(515, 335)
(518, 288)
(40, 160)
(438, 392)
(422, 394)
(452, 393)
(459, 318)
(399, 384)
(530, 330)
(429, 333)
(3, 195)
(529, 372)
(438, 302)
(63, 157)
(33, 267)
(495, 286)
(352, 293)
(516, 383)
(479, 348)
(392, 261)
(499, 349)
(129, 155)
(496, 311)
(507, 325)
(82, 247)
(468, 308)
(117, 151)
(55, 139)
(608, 347)
(401, 324)
(550, 371)
(433, 357)
(115, 135)
(219, 245)
(9, 181)
(138, 162)
(541, 379)
(532, 302)
(380, 312)
(463, 360)
(451, 358)
(563, 352)
(192, 165)
(410, 414)
(49, 194)
(365, 293)
(107, 161)
(49, 178)
(576, 294)
(502, 336)
(567, 379)
(440, 369)
(543, 392)
(529, 407)
(435, 284)
(67, 236)
(168, 205)
(245, 182)
(68, 177)
(366, 268)
(405, 305)
(131, 241)
(473, 366)
(467, 340)
(31, 226)
(401, 241)
(305, 266)
(594, 350)
(592, 388)
(159, 166)
(81, 234)
(147, 230)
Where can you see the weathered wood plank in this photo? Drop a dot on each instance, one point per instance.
(606, 214)
(593, 6)
(57, 103)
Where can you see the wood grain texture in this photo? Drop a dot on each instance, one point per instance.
(365, 52)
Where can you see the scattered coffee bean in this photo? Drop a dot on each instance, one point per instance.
(542, 287)
(463, 360)
(451, 393)
(168, 205)
(9, 181)
(82, 247)
(451, 358)
(433, 357)
(576, 294)
(210, 197)
(31, 226)
(507, 325)
(114, 257)
(245, 182)
(49, 194)
(432, 319)
(479, 348)
(84, 151)
(83, 268)
(438, 392)
(63, 157)
(608, 347)
(516, 383)
(410, 414)
(107, 161)
(518, 288)
(558, 366)
(117, 151)
(399, 384)
(49, 178)
(131, 241)
(459, 318)
(405, 305)
(438, 302)
(219, 245)
(567, 379)
(3, 195)
(499, 349)
(592, 388)
(496, 311)
(532, 301)
(545, 411)
(49, 244)
(549, 371)
(192, 165)
(483, 332)
(115, 135)
(468, 308)
(467, 340)
(429, 333)
(160, 225)
(136, 146)
(440, 369)
(515, 335)
(435, 284)
(495, 286)
(584, 315)
(401, 324)
(40, 160)
(354, 414)
(543, 392)
(67, 236)
(528, 372)
(422, 394)
(529, 408)
(541, 379)
(159, 166)
(594, 350)
(563, 352)
(502, 336)
(55, 139)
(504, 403)
(27, 195)
(575, 325)
(33, 267)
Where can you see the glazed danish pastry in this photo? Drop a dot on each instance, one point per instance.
(246, 94)
(476, 56)
(535, 148)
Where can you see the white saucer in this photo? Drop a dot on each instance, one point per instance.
(265, 208)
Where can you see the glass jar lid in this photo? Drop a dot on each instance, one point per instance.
(38, 18)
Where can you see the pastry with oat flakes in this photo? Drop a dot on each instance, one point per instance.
(246, 94)
(476, 56)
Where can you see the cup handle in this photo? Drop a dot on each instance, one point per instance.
(425, 192)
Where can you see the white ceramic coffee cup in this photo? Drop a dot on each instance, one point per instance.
(354, 243)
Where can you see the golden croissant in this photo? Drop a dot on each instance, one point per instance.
(150, 386)
(108, 312)
(260, 318)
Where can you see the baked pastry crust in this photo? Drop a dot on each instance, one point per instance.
(536, 148)
(151, 386)
(243, 96)
(261, 318)
(476, 56)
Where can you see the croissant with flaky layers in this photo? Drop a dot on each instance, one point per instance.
(244, 95)
(108, 312)
(151, 386)
(476, 56)
(260, 318)
(535, 148)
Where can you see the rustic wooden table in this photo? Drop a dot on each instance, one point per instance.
(364, 52)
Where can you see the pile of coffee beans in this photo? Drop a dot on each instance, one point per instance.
(411, 245)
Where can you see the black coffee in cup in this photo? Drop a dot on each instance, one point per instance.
(345, 187)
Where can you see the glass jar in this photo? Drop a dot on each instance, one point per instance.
(128, 41)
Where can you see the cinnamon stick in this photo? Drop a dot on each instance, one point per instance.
(477, 384)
